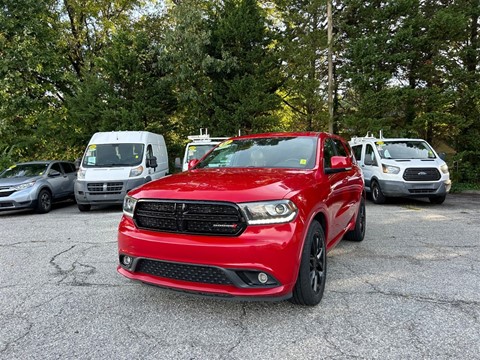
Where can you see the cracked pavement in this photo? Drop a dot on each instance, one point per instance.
(410, 290)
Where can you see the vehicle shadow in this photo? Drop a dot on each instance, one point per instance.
(26, 212)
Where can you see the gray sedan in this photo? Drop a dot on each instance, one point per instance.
(36, 185)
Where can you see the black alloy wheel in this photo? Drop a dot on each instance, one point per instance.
(312, 274)
(358, 233)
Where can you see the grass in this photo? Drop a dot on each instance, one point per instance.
(461, 187)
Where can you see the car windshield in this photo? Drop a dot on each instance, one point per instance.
(196, 151)
(269, 152)
(111, 155)
(405, 150)
(24, 170)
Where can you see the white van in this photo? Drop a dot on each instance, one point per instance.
(401, 167)
(197, 147)
(116, 162)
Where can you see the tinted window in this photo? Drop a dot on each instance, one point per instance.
(328, 152)
(340, 148)
(357, 152)
(68, 167)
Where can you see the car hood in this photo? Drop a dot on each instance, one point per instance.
(18, 180)
(235, 185)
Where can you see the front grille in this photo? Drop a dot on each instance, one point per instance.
(185, 272)
(105, 188)
(421, 174)
(6, 205)
(5, 193)
(188, 217)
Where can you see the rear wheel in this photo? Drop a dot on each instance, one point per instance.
(44, 202)
(84, 207)
(312, 274)
(377, 194)
(358, 233)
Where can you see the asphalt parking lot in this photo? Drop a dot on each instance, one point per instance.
(410, 290)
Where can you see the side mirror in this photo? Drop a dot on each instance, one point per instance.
(192, 163)
(152, 162)
(178, 163)
(442, 156)
(54, 173)
(339, 164)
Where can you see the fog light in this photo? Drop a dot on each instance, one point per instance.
(262, 277)
(127, 260)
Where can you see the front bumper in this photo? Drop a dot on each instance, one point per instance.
(104, 192)
(414, 189)
(23, 199)
(214, 265)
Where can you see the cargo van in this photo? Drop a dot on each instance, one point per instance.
(401, 167)
(197, 147)
(116, 162)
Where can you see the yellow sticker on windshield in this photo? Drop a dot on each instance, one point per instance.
(12, 167)
(225, 143)
(92, 147)
(380, 143)
(303, 161)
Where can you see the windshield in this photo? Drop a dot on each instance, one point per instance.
(24, 170)
(111, 155)
(198, 151)
(272, 152)
(405, 150)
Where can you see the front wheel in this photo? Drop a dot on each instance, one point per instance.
(437, 199)
(84, 207)
(312, 273)
(377, 194)
(44, 202)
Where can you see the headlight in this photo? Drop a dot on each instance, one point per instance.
(81, 174)
(390, 169)
(444, 169)
(129, 205)
(24, 186)
(269, 212)
(136, 171)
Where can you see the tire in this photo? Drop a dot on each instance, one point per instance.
(84, 207)
(358, 233)
(312, 274)
(44, 202)
(437, 199)
(377, 194)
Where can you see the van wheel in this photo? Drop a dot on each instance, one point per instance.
(437, 199)
(358, 233)
(84, 207)
(44, 202)
(377, 194)
(312, 273)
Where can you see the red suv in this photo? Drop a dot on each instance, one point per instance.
(253, 218)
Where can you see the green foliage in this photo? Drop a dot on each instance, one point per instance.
(303, 40)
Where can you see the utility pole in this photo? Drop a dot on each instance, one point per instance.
(330, 65)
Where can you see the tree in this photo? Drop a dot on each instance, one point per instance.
(302, 24)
